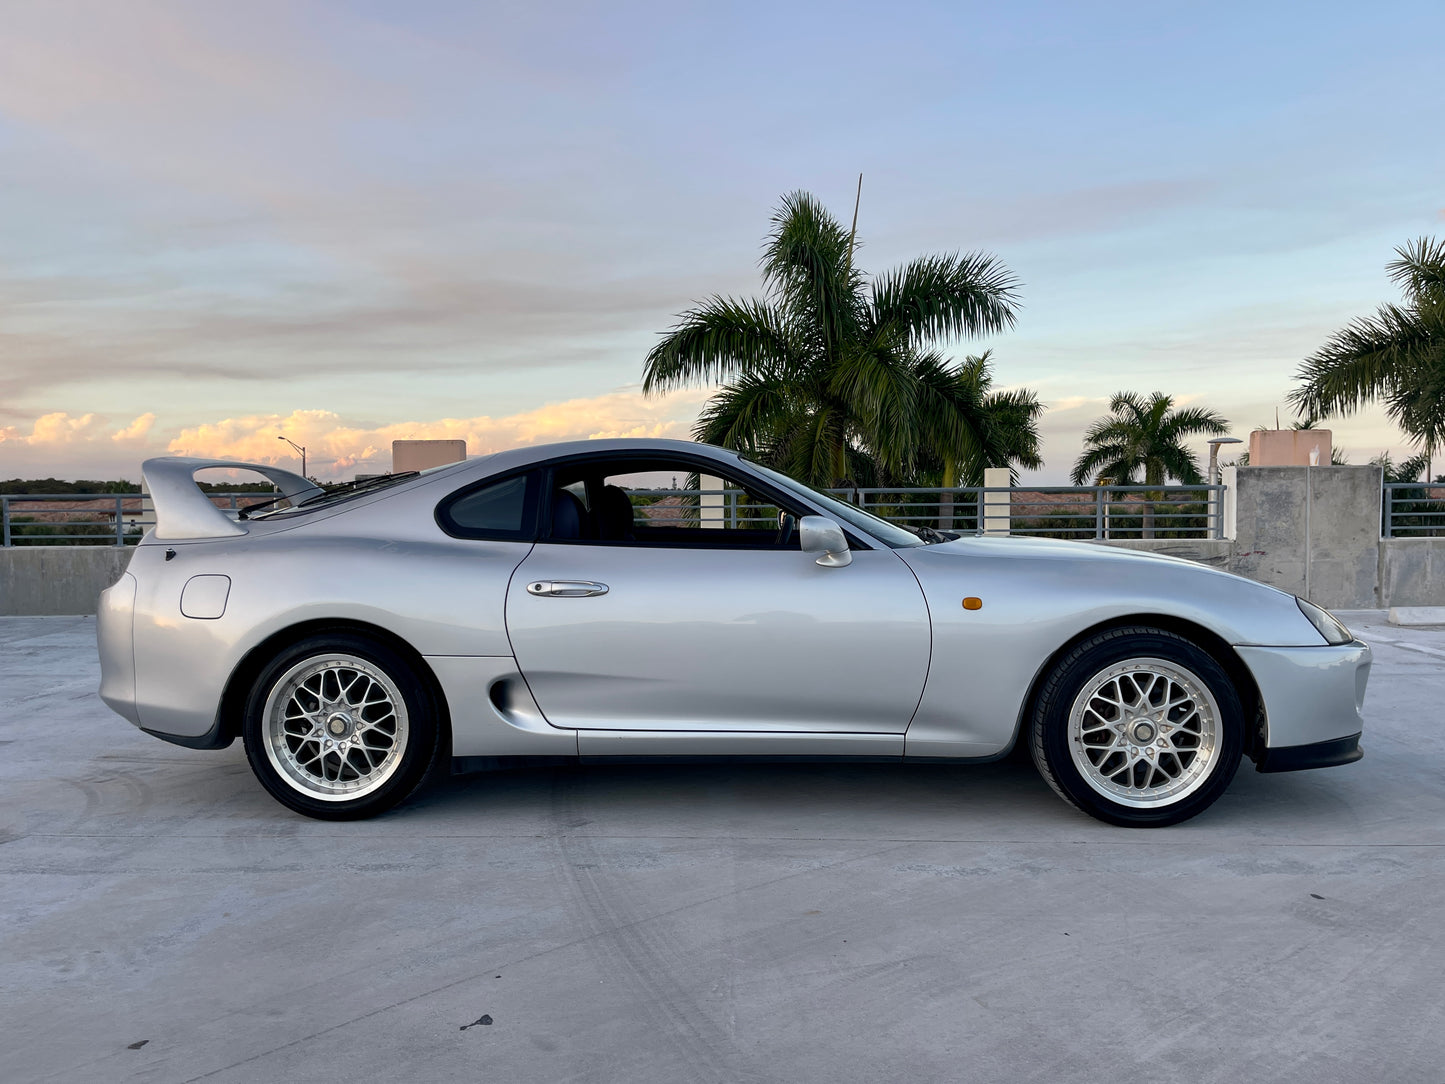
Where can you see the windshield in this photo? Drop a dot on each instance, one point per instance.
(888, 533)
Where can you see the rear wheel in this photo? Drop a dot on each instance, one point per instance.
(1139, 727)
(338, 727)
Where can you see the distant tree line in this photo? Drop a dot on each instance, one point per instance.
(87, 485)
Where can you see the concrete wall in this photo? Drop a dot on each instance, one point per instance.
(47, 580)
(1312, 531)
(1412, 571)
(1315, 531)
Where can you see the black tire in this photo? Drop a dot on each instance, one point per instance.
(408, 742)
(1130, 781)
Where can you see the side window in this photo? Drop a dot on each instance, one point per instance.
(664, 503)
(504, 509)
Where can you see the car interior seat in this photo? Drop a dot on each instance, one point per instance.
(614, 508)
(567, 515)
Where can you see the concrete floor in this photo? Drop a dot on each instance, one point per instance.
(164, 920)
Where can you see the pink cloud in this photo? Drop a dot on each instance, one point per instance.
(334, 446)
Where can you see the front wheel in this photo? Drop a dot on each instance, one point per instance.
(338, 727)
(1138, 727)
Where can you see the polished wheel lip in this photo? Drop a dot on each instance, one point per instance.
(1166, 735)
(335, 727)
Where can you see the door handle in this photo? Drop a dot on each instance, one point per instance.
(566, 588)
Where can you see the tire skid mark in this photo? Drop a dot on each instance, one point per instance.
(628, 944)
(112, 791)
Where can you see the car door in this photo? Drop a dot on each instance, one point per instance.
(681, 630)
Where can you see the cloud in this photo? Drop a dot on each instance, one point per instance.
(334, 446)
(54, 429)
(136, 430)
(1096, 403)
(88, 445)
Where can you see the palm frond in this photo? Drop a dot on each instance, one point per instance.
(807, 272)
(1190, 422)
(749, 414)
(881, 392)
(945, 297)
(716, 340)
(1420, 269)
(1362, 361)
(1144, 434)
(1397, 355)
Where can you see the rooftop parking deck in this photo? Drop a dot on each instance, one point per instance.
(165, 920)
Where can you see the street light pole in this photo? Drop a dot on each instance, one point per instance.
(301, 448)
(1214, 456)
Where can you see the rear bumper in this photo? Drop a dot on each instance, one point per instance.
(215, 738)
(1320, 754)
(115, 640)
(1313, 698)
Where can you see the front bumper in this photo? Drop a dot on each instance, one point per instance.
(1312, 699)
(1320, 754)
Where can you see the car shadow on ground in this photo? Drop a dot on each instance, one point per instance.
(901, 801)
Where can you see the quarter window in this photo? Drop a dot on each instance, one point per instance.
(504, 509)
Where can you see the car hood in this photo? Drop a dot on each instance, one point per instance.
(1054, 549)
(1054, 576)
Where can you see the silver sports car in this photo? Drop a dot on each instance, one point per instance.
(539, 603)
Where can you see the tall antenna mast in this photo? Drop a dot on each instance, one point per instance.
(854, 231)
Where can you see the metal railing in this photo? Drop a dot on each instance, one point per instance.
(90, 519)
(1080, 512)
(1412, 510)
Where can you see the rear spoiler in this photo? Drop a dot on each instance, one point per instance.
(183, 511)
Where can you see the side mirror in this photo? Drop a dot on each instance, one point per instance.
(819, 534)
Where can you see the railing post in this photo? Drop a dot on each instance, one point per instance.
(998, 504)
(1099, 512)
(119, 520)
(1387, 501)
(5, 519)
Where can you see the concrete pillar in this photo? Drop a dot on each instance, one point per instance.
(711, 506)
(1312, 531)
(996, 510)
(1228, 476)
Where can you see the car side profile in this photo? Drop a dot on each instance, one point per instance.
(539, 603)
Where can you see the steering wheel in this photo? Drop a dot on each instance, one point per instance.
(787, 524)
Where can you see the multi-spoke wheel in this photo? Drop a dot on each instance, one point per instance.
(338, 727)
(1138, 727)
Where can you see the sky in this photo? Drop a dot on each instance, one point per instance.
(348, 223)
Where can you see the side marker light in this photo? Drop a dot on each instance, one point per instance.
(972, 603)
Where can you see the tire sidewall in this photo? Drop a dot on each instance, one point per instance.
(1051, 736)
(422, 741)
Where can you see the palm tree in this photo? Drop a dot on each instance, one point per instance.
(831, 375)
(1408, 470)
(1397, 355)
(1145, 435)
(967, 427)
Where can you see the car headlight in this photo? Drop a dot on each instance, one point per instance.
(1326, 623)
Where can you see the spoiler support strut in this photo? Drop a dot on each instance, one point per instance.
(184, 511)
